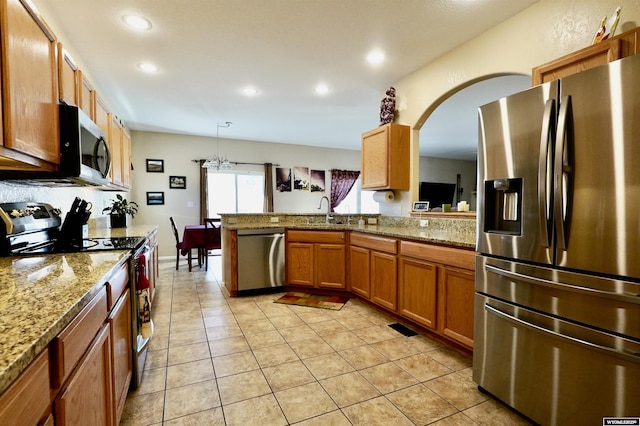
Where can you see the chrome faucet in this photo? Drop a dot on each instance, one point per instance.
(329, 217)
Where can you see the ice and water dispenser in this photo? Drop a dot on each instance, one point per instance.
(503, 206)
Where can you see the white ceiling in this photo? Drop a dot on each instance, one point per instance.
(208, 50)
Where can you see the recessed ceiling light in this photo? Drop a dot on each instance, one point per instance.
(148, 67)
(321, 89)
(137, 22)
(375, 57)
(250, 91)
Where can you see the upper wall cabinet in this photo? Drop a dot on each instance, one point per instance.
(87, 100)
(68, 75)
(623, 45)
(385, 157)
(30, 137)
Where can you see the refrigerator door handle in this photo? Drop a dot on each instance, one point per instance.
(545, 162)
(623, 295)
(561, 171)
(621, 353)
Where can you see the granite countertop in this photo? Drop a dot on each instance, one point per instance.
(450, 236)
(41, 294)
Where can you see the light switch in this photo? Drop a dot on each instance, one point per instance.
(189, 203)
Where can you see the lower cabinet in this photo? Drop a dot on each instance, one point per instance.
(120, 327)
(374, 269)
(316, 259)
(436, 289)
(418, 291)
(86, 398)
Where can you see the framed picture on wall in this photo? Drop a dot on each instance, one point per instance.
(317, 181)
(155, 166)
(301, 178)
(178, 182)
(283, 179)
(155, 198)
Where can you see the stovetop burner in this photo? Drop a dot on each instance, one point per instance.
(86, 245)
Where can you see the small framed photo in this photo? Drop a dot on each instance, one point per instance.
(155, 198)
(155, 166)
(178, 182)
(420, 206)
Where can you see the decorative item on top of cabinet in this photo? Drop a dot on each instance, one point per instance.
(388, 107)
(67, 77)
(29, 90)
(385, 157)
(618, 47)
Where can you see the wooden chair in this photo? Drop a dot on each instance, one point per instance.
(178, 243)
(213, 238)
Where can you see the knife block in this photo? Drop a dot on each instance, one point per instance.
(74, 229)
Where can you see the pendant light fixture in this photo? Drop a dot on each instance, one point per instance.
(218, 162)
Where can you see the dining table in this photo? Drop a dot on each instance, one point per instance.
(201, 237)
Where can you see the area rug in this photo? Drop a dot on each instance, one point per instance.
(303, 299)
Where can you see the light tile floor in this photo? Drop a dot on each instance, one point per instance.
(249, 361)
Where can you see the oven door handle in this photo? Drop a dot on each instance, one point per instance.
(625, 296)
(620, 353)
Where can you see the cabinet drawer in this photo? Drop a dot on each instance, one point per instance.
(116, 286)
(445, 255)
(27, 399)
(336, 237)
(68, 347)
(386, 245)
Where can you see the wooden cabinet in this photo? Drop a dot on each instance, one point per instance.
(86, 398)
(102, 114)
(417, 291)
(120, 327)
(385, 157)
(229, 261)
(115, 145)
(126, 159)
(30, 136)
(86, 96)
(373, 269)
(27, 401)
(623, 45)
(68, 74)
(436, 289)
(316, 258)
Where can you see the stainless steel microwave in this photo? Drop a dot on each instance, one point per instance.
(85, 158)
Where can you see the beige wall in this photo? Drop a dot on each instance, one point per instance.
(543, 32)
(178, 151)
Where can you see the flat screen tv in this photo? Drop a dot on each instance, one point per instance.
(437, 193)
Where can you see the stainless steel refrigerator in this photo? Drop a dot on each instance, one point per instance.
(557, 305)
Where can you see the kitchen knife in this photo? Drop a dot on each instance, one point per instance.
(74, 206)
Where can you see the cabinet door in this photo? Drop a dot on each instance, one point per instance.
(375, 154)
(359, 271)
(384, 281)
(330, 265)
(86, 96)
(126, 160)
(115, 144)
(120, 324)
(456, 304)
(29, 88)
(67, 77)
(300, 264)
(87, 397)
(417, 291)
(102, 115)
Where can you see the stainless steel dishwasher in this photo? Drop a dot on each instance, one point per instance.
(260, 259)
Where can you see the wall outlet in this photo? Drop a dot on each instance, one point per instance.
(275, 219)
(372, 221)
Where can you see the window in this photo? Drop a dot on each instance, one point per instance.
(235, 191)
(358, 201)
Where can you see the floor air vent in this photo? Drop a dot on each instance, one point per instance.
(402, 329)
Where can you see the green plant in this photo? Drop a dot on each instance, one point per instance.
(121, 206)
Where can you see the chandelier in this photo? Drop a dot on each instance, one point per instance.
(218, 162)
